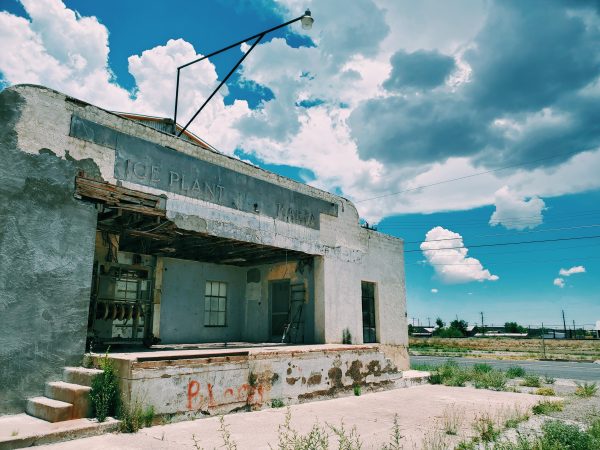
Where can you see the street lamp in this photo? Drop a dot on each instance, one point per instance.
(306, 20)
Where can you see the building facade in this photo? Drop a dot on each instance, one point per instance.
(113, 232)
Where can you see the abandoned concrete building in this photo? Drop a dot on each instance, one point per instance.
(214, 283)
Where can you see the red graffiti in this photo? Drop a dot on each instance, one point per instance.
(192, 392)
(228, 391)
(211, 398)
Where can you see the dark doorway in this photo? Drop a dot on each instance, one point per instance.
(280, 307)
(368, 312)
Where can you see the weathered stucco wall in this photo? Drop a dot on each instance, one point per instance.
(46, 255)
(204, 385)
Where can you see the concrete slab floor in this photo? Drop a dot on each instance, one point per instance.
(420, 413)
(22, 430)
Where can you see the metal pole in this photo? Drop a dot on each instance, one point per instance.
(258, 35)
(564, 323)
(221, 84)
(176, 98)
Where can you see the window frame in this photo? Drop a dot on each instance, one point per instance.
(220, 297)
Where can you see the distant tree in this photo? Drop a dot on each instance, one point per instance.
(514, 327)
(459, 325)
(411, 329)
(448, 333)
(440, 323)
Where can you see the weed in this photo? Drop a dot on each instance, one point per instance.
(395, 437)
(586, 389)
(435, 378)
(14, 433)
(290, 439)
(346, 441)
(105, 394)
(531, 381)
(546, 391)
(434, 441)
(148, 416)
(549, 380)
(494, 380)
(546, 407)
(346, 336)
(482, 368)
(357, 389)
(515, 372)
(228, 443)
(451, 420)
(594, 429)
(485, 428)
(277, 403)
(466, 445)
(423, 367)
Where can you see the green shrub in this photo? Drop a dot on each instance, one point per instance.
(494, 379)
(133, 417)
(546, 407)
(549, 380)
(277, 403)
(357, 389)
(515, 372)
(531, 381)
(148, 416)
(482, 368)
(546, 391)
(558, 435)
(105, 394)
(346, 336)
(586, 389)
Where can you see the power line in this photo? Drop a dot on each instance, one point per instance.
(510, 234)
(511, 220)
(497, 244)
(495, 263)
(467, 176)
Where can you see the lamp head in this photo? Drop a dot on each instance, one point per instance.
(307, 20)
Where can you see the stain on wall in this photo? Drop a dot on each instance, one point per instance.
(46, 255)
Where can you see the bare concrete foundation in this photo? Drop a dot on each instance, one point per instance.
(191, 383)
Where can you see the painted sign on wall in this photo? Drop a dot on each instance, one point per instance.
(149, 164)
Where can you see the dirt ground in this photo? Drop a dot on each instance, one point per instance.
(574, 350)
(422, 412)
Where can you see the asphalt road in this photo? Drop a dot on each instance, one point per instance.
(556, 369)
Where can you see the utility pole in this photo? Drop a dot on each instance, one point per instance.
(413, 319)
(543, 343)
(429, 321)
(564, 323)
(482, 327)
(574, 331)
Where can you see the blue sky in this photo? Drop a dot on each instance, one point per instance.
(382, 104)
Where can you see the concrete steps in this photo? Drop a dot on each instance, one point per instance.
(76, 394)
(65, 400)
(80, 375)
(49, 409)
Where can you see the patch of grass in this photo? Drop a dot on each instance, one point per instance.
(495, 380)
(357, 389)
(105, 395)
(481, 368)
(546, 391)
(434, 440)
(277, 403)
(515, 372)
(586, 390)
(559, 435)
(451, 420)
(466, 445)
(423, 367)
(531, 381)
(14, 433)
(515, 416)
(546, 407)
(486, 428)
(549, 380)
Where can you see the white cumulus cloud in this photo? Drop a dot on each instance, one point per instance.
(516, 213)
(445, 251)
(434, 291)
(560, 282)
(571, 271)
